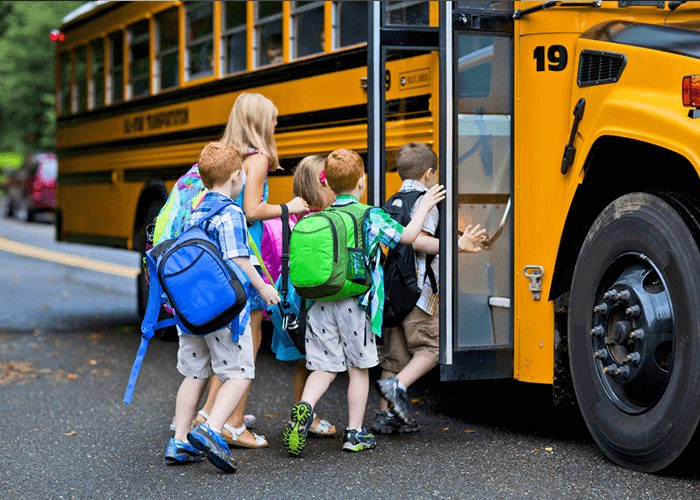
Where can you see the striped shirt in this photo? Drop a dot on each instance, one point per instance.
(428, 300)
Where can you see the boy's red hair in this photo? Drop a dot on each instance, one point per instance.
(344, 169)
(217, 162)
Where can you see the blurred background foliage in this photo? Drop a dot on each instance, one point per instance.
(27, 86)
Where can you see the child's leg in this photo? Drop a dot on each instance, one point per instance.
(421, 364)
(383, 405)
(358, 390)
(316, 386)
(214, 385)
(421, 337)
(236, 417)
(185, 405)
(228, 396)
(301, 374)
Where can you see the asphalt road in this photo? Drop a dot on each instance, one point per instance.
(67, 340)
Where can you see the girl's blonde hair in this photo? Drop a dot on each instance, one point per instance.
(251, 124)
(307, 180)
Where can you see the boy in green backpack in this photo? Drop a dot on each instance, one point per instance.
(335, 261)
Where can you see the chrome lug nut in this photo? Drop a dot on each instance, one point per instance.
(610, 370)
(597, 331)
(633, 358)
(610, 294)
(600, 354)
(637, 334)
(624, 296)
(632, 311)
(601, 309)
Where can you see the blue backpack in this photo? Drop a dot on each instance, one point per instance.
(205, 292)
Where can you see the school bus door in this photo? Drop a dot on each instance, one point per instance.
(476, 166)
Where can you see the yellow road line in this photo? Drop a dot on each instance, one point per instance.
(67, 259)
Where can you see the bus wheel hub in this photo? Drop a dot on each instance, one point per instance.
(632, 333)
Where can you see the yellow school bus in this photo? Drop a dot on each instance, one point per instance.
(569, 129)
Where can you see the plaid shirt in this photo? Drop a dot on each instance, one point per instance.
(228, 232)
(227, 228)
(379, 228)
(428, 300)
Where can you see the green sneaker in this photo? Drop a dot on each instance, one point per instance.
(294, 435)
(358, 440)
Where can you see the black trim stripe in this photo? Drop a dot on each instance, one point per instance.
(398, 109)
(331, 63)
(680, 38)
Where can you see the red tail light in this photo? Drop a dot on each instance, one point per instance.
(691, 91)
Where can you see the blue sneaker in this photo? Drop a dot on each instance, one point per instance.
(213, 445)
(294, 435)
(358, 440)
(178, 453)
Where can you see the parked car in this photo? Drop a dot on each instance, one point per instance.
(32, 188)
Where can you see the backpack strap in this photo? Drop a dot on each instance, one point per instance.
(216, 207)
(149, 325)
(285, 253)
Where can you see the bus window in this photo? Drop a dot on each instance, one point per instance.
(307, 28)
(351, 22)
(234, 37)
(116, 67)
(80, 81)
(268, 33)
(64, 93)
(402, 12)
(139, 61)
(167, 60)
(97, 74)
(200, 39)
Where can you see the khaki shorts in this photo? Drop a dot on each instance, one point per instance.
(419, 333)
(338, 335)
(199, 356)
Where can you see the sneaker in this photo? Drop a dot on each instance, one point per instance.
(179, 452)
(294, 435)
(213, 445)
(388, 388)
(385, 423)
(358, 440)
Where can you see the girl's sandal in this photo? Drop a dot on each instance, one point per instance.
(321, 428)
(235, 437)
(248, 420)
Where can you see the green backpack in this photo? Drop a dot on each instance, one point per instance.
(327, 254)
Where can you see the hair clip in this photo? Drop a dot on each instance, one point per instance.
(322, 177)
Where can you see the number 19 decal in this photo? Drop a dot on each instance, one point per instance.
(557, 56)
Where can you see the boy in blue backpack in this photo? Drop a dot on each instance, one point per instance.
(199, 356)
(340, 332)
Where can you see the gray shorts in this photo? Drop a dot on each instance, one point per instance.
(338, 335)
(200, 356)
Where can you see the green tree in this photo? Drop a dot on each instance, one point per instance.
(27, 75)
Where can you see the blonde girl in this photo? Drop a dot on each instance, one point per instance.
(250, 129)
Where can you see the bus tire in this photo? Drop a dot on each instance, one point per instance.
(634, 330)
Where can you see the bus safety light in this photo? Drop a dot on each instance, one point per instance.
(57, 36)
(691, 91)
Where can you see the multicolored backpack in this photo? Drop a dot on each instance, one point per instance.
(184, 197)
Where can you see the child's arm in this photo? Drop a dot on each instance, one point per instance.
(431, 198)
(267, 292)
(254, 207)
(426, 244)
